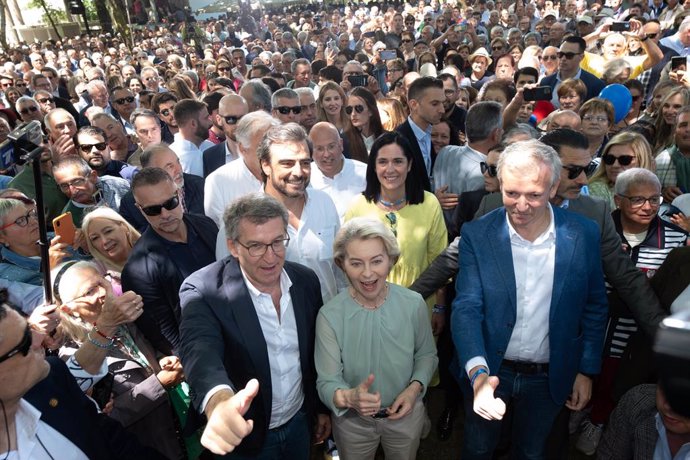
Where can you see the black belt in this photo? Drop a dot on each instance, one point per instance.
(523, 367)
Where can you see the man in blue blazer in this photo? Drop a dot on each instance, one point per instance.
(570, 54)
(529, 317)
(250, 319)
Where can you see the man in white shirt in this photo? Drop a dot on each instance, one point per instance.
(530, 313)
(286, 171)
(45, 413)
(341, 178)
(241, 176)
(194, 122)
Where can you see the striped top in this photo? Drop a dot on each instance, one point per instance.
(662, 237)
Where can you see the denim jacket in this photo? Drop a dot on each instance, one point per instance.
(14, 267)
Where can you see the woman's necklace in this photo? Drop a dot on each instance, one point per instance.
(392, 204)
(375, 307)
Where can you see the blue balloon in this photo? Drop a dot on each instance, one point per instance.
(620, 97)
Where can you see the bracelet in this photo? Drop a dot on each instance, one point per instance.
(420, 384)
(95, 328)
(438, 309)
(96, 343)
(480, 371)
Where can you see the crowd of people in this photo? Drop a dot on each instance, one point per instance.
(289, 224)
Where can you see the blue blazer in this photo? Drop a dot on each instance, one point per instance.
(485, 307)
(594, 85)
(214, 158)
(221, 341)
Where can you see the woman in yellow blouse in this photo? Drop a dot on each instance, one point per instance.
(394, 194)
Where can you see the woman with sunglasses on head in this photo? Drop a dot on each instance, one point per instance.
(365, 121)
(623, 151)
(394, 194)
(92, 334)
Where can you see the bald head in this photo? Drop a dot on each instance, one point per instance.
(327, 148)
(231, 109)
(564, 119)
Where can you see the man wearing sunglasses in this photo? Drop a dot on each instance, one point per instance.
(45, 413)
(85, 189)
(163, 104)
(28, 109)
(231, 109)
(124, 104)
(42, 82)
(570, 55)
(93, 147)
(191, 141)
(286, 106)
(175, 245)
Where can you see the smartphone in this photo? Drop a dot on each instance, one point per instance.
(462, 27)
(64, 228)
(383, 413)
(357, 80)
(620, 26)
(103, 389)
(679, 63)
(387, 55)
(540, 93)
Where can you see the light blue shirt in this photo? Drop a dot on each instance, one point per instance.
(675, 44)
(424, 141)
(662, 451)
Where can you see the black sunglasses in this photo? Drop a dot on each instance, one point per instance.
(497, 48)
(156, 209)
(623, 160)
(23, 347)
(87, 147)
(166, 112)
(358, 108)
(125, 100)
(652, 36)
(492, 170)
(232, 119)
(223, 69)
(575, 171)
(568, 55)
(47, 99)
(32, 109)
(285, 110)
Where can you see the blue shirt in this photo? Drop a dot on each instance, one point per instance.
(662, 451)
(424, 141)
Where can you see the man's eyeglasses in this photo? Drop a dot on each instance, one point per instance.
(357, 108)
(45, 100)
(223, 69)
(568, 55)
(639, 201)
(574, 171)
(623, 160)
(286, 110)
(157, 209)
(652, 36)
(166, 112)
(20, 85)
(22, 221)
(78, 182)
(393, 221)
(406, 40)
(497, 48)
(232, 119)
(31, 109)
(88, 147)
(550, 57)
(124, 100)
(486, 168)
(598, 119)
(23, 347)
(259, 249)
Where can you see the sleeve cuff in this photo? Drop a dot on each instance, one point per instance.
(211, 392)
(476, 361)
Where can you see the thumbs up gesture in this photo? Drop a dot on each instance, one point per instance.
(226, 427)
(485, 404)
(362, 400)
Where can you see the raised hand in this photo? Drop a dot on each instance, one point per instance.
(226, 427)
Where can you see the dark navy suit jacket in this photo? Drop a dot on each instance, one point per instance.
(221, 341)
(214, 158)
(485, 308)
(594, 85)
(64, 407)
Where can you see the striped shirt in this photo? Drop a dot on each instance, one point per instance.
(662, 237)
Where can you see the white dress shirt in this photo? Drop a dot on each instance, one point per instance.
(225, 185)
(344, 186)
(191, 156)
(36, 440)
(533, 265)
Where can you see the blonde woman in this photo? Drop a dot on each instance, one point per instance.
(623, 151)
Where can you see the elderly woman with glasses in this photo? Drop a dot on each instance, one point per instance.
(374, 351)
(20, 252)
(140, 380)
(597, 120)
(648, 239)
(624, 151)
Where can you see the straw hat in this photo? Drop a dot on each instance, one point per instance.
(481, 52)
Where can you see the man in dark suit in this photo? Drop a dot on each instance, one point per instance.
(191, 187)
(231, 109)
(630, 282)
(425, 98)
(175, 245)
(251, 317)
(530, 312)
(570, 55)
(46, 414)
